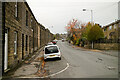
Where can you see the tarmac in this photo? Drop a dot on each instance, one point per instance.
(107, 52)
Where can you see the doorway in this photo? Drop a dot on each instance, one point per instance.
(6, 50)
(22, 46)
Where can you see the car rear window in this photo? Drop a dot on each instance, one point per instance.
(51, 49)
(50, 44)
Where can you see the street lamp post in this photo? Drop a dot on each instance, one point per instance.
(91, 19)
(91, 14)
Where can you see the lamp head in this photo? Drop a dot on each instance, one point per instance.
(84, 9)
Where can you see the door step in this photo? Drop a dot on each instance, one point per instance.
(6, 70)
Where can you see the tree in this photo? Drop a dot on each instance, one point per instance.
(92, 32)
(86, 30)
(82, 33)
(95, 33)
(54, 36)
(73, 30)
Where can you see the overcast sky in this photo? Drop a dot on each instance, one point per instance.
(58, 13)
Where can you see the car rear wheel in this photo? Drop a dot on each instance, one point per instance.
(59, 58)
(45, 59)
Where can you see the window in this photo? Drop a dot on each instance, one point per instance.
(110, 27)
(15, 43)
(26, 18)
(51, 49)
(16, 9)
(105, 29)
(30, 21)
(26, 42)
(115, 26)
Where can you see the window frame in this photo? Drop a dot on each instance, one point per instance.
(15, 42)
(16, 9)
(26, 18)
(26, 43)
(110, 27)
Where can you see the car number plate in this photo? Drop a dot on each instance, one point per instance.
(52, 55)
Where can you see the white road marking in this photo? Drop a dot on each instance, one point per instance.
(56, 72)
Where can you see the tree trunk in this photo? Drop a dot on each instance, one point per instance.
(92, 45)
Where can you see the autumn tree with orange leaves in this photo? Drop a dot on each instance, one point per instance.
(74, 30)
(78, 32)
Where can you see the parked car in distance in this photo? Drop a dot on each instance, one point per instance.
(50, 43)
(62, 40)
(54, 41)
(52, 51)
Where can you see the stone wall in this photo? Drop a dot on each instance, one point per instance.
(38, 36)
(42, 35)
(104, 46)
(18, 24)
(12, 25)
(31, 35)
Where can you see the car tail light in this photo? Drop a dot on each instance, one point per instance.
(45, 57)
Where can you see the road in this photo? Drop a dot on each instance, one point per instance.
(81, 63)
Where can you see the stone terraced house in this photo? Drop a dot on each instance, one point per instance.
(111, 31)
(20, 34)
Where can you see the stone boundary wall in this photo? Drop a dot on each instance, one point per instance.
(106, 46)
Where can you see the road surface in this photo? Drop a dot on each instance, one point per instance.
(81, 63)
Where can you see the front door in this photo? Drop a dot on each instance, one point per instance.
(6, 50)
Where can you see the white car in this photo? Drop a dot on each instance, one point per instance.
(56, 40)
(52, 51)
(50, 43)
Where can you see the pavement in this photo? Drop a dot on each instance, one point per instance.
(31, 68)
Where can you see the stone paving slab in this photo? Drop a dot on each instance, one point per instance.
(25, 70)
(29, 68)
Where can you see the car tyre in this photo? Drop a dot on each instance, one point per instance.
(45, 59)
(60, 58)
